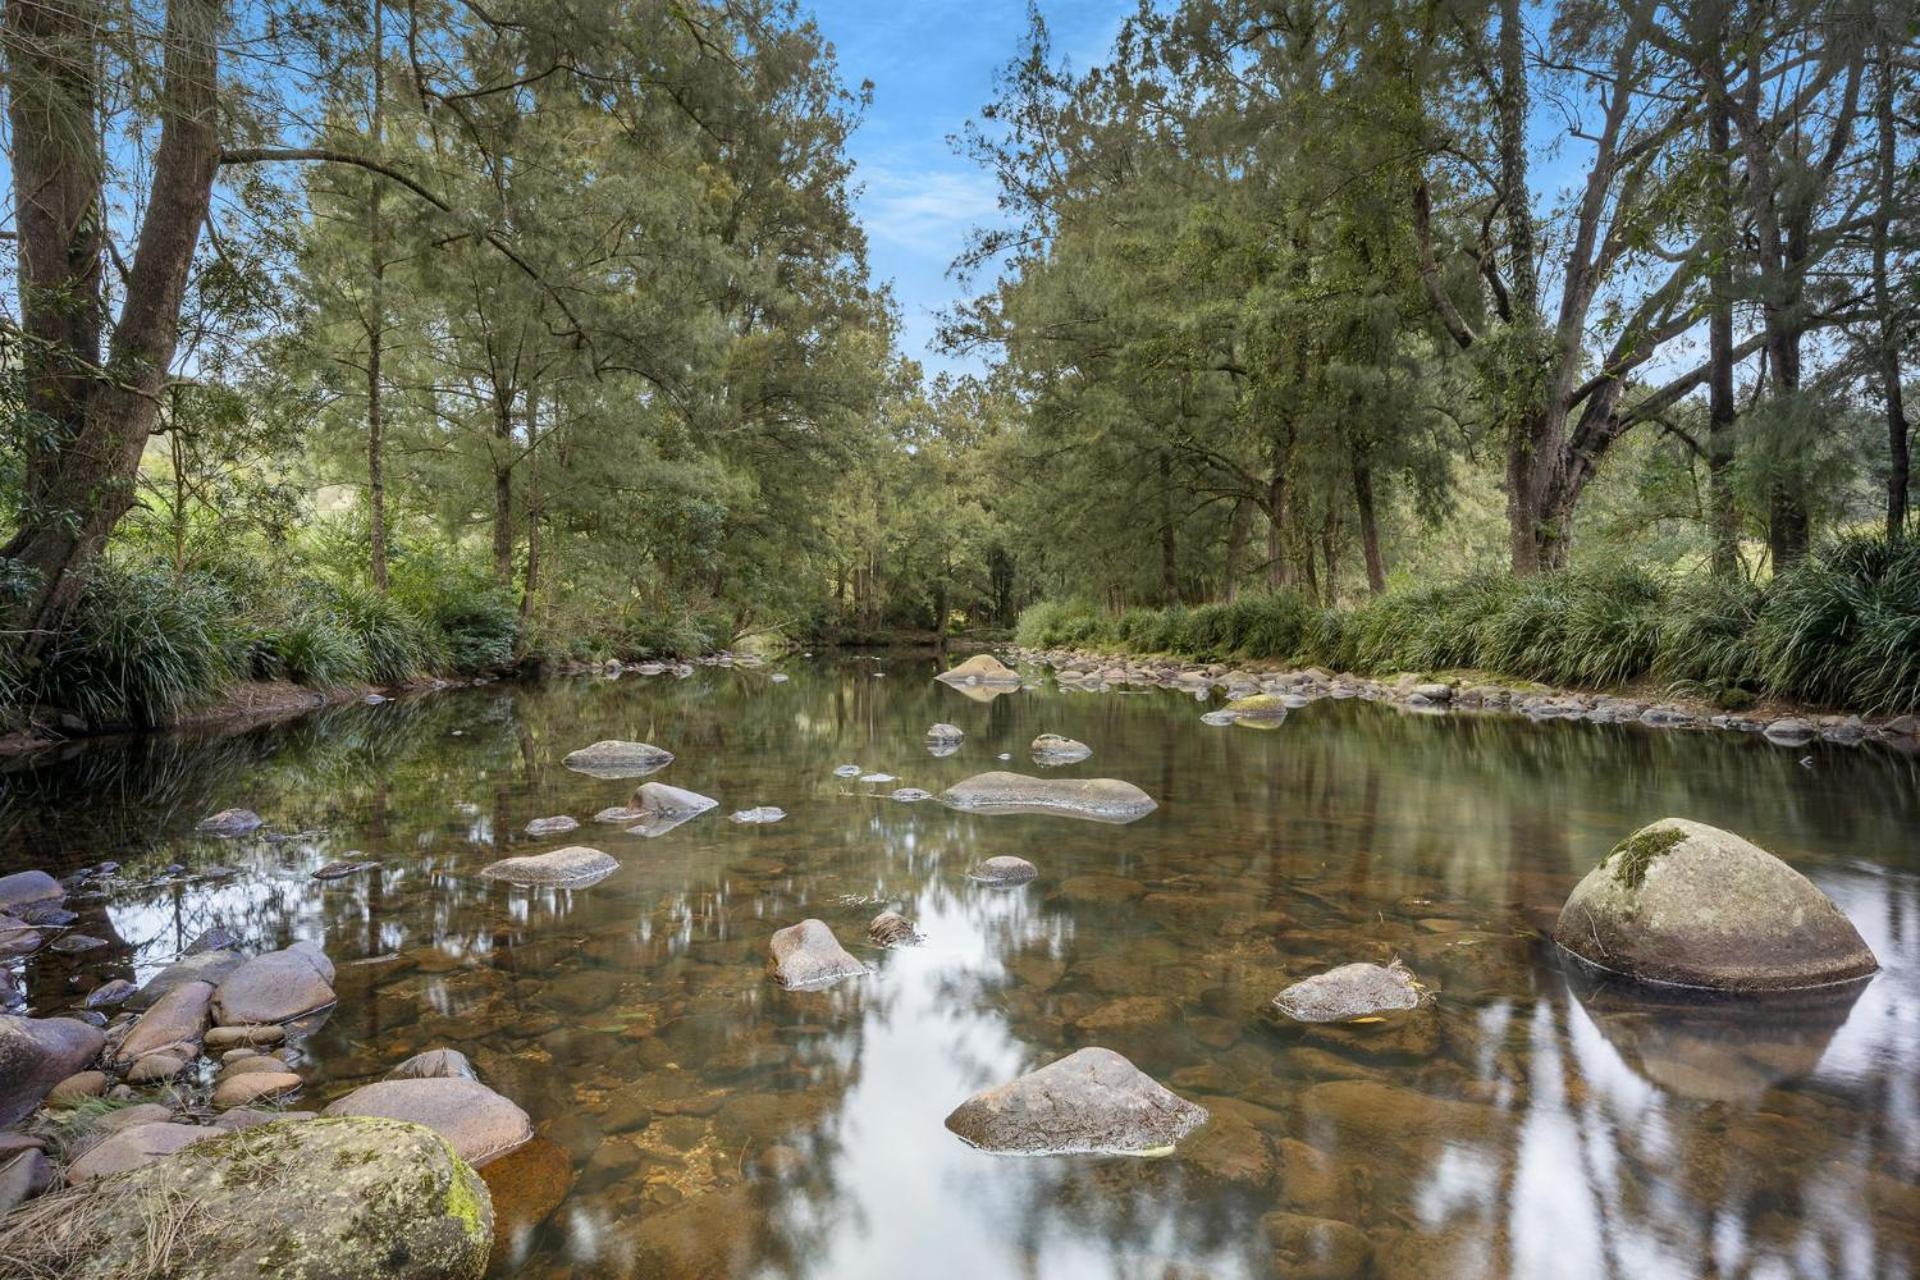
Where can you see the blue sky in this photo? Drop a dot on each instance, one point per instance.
(932, 68)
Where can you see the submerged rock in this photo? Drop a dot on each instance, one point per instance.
(848, 771)
(276, 986)
(1092, 1102)
(618, 813)
(1004, 869)
(342, 869)
(1350, 991)
(1096, 799)
(479, 1123)
(230, 822)
(759, 814)
(891, 929)
(909, 795)
(574, 867)
(808, 955)
(981, 668)
(1220, 719)
(554, 826)
(1052, 749)
(435, 1064)
(1684, 903)
(38, 1053)
(614, 758)
(345, 1199)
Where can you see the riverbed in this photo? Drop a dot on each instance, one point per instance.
(698, 1120)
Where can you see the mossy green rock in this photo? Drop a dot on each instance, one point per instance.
(1684, 903)
(349, 1198)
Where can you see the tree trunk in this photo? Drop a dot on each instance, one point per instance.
(1369, 527)
(81, 472)
(1515, 193)
(1330, 550)
(1169, 560)
(376, 330)
(1899, 474)
(503, 487)
(534, 513)
(1237, 535)
(1279, 513)
(1723, 521)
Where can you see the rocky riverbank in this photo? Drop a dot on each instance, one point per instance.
(1441, 693)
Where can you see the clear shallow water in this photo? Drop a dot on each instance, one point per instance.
(711, 1124)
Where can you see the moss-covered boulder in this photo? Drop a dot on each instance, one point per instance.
(1683, 903)
(341, 1199)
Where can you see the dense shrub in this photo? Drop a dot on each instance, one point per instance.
(1840, 629)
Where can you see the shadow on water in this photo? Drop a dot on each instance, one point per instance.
(704, 1122)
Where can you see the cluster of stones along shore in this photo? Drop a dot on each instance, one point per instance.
(1790, 727)
(394, 1178)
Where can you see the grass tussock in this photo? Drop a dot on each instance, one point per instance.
(1840, 629)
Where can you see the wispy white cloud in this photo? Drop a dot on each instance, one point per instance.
(926, 211)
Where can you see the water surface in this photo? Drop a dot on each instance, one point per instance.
(707, 1123)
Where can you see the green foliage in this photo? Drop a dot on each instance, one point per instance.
(1840, 629)
(142, 646)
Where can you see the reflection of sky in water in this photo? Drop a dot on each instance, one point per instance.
(1556, 1132)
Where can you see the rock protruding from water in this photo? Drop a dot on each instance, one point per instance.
(614, 758)
(347, 1199)
(807, 955)
(180, 1017)
(1052, 749)
(1259, 711)
(759, 815)
(891, 929)
(24, 888)
(1090, 1102)
(202, 966)
(435, 1064)
(481, 1124)
(944, 733)
(574, 867)
(230, 822)
(38, 1053)
(1005, 869)
(1350, 991)
(1095, 799)
(981, 668)
(557, 825)
(276, 986)
(658, 800)
(1684, 903)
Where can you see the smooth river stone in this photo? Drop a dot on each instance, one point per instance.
(657, 799)
(552, 826)
(435, 1064)
(617, 759)
(249, 1087)
(206, 966)
(25, 887)
(276, 987)
(1004, 869)
(1683, 903)
(1090, 1102)
(134, 1147)
(179, 1017)
(1052, 749)
(479, 1123)
(759, 815)
(1348, 992)
(981, 668)
(1095, 799)
(230, 822)
(808, 955)
(944, 732)
(574, 867)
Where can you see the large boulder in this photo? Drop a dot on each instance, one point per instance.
(205, 966)
(614, 758)
(319, 1199)
(574, 867)
(1093, 1101)
(135, 1146)
(981, 668)
(180, 1016)
(276, 987)
(808, 955)
(1684, 903)
(23, 888)
(1096, 799)
(479, 1123)
(37, 1054)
